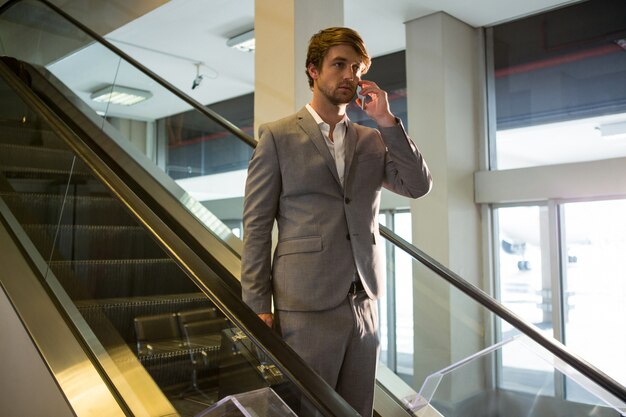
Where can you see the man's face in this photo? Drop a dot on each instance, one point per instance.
(338, 76)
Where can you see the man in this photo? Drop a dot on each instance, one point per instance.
(320, 177)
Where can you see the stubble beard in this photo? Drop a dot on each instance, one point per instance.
(336, 96)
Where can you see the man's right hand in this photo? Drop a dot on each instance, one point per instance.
(268, 318)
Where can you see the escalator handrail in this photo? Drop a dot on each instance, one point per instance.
(474, 292)
(553, 346)
(168, 86)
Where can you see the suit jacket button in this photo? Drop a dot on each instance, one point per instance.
(347, 200)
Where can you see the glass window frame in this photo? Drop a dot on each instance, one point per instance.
(390, 314)
(555, 204)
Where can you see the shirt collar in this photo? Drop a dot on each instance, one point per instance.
(320, 121)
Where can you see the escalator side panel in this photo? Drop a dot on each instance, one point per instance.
(52, 338)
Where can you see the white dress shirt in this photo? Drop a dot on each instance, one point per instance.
(336, 146)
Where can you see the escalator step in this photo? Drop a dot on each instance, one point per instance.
(121, 278)
(82, 242)
(28, 134)
(84, 210)
(21, 159)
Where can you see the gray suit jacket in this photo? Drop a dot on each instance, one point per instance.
(326, 232)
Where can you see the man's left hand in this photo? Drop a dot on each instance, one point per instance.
(377, 107)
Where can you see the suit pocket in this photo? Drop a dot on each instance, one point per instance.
(299, 245)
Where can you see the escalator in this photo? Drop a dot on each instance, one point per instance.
(146, 278)
(120, 275)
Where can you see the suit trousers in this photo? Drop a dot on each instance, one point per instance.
(341, 344)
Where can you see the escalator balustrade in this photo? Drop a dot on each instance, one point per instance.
(125, 286)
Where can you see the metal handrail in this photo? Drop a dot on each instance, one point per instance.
(556, 348)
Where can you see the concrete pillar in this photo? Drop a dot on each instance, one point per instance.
(443, 90)
(282, 30)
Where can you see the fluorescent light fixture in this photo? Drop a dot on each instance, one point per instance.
(613, 130)
(243, 42)
(124, 96)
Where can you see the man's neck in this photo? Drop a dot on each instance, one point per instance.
(330, 113)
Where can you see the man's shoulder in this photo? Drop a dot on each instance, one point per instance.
(286, 123)
(287, 120)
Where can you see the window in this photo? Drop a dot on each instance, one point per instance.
(560, 86)
(526, 288)
(595, 283)
(396, 309)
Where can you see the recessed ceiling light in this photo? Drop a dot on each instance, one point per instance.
(243, 42)
(124, 96)
(615, 130)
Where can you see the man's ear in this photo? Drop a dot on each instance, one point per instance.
(313, 72)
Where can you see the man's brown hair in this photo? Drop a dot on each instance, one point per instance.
(323, 40)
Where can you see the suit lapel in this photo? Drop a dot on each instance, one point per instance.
(349, 144)
(307, 123)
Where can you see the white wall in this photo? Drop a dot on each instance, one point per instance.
(444, 101)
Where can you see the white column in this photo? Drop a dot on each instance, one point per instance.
(282, 30)
(443, 89)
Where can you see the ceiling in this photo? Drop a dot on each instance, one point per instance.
(171, 39)
(183, 38)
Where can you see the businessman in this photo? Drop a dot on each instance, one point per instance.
(320, 176)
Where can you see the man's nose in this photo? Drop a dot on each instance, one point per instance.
(351, 75)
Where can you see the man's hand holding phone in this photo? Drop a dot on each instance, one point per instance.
(377, 107)
(360, 97)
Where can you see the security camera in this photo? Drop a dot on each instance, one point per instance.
(197, 81)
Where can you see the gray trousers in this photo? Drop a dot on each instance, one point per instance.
(340, 344)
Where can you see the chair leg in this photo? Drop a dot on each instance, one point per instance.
(195, 387)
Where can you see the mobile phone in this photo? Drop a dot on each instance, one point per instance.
(361, 97)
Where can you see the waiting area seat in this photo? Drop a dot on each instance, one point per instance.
(157, 334)
(180, 345)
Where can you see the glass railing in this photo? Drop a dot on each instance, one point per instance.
(168, 341)
(472, 356)
(177, 139)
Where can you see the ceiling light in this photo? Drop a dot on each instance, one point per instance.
(243, 42)
(124, 96)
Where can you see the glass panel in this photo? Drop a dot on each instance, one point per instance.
(560, 90)
(457, 339)
(523, 275)
(404, 298)
(595, 284)
(385, 319)
(160, 130)
(525, 288)
(438, 389)
(197, 149)
(396, 307)
(144, 320)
